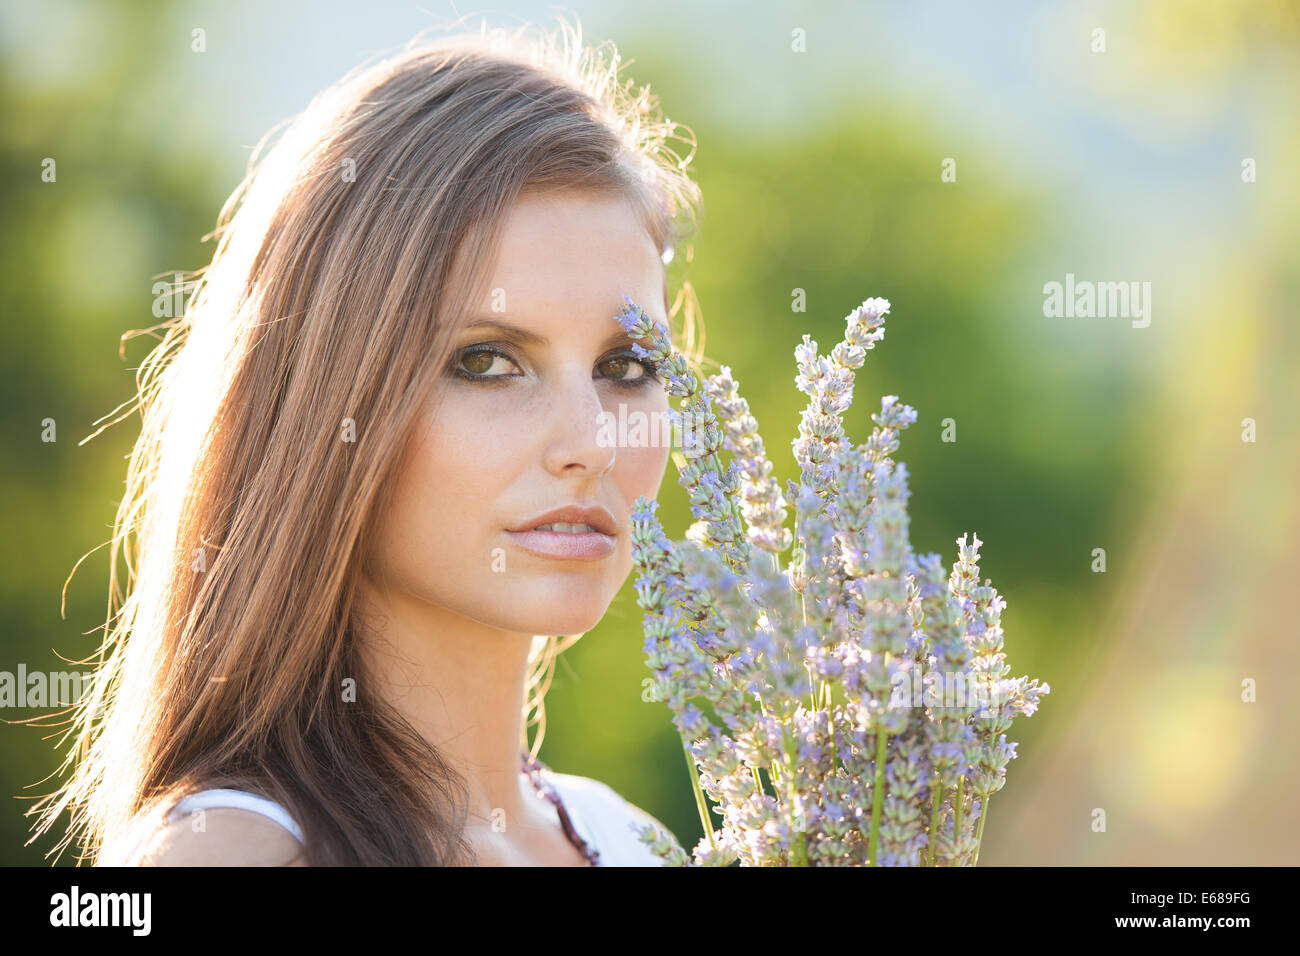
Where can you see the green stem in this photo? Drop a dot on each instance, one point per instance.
(772, 773)
(957, 808)
(934, 821)
(877, 798)
(802, 846)
(829, 703)
(699, 797)
(799, 846)
(979, 831)
(813, 692)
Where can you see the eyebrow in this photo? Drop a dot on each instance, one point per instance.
(526, 337)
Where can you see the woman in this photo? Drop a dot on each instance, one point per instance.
(346, 580)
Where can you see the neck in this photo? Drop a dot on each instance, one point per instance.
(460, 684)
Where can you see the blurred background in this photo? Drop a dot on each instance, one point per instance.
(951, 159)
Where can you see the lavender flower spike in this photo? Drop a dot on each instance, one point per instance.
(763, 506)
(825, 708)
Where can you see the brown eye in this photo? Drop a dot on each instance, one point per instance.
(617, 367)
(477, 362)
(474, 363)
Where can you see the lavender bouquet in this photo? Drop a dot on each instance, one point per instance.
(850, 708)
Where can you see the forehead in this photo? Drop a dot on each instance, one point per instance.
(568, 254)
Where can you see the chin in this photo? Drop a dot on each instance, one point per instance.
(561, 621)
(564, 611)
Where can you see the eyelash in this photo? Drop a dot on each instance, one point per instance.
(650, 376)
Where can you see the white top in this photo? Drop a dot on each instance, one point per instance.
(602, 817)
(605, 820)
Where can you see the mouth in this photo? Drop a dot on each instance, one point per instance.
(558, 541)
(575, 533)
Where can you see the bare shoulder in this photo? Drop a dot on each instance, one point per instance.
(226, 837)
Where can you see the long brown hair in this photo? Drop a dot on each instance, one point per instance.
(346, 263)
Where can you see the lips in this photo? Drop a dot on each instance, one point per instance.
(559, 533)
(597, 517)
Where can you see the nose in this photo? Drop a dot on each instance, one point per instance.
(576, 445)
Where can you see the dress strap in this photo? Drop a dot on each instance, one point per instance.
(543, 780)
(226, 799)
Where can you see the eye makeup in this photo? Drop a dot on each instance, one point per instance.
(649, 377)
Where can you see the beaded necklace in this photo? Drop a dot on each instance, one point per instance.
(533, 768)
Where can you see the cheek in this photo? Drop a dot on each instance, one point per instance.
(643, 451)
(463, 457)
(453, 475)
(640, 467)
(640, 471)
(637, 472)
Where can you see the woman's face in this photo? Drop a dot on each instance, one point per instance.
(519, 432)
